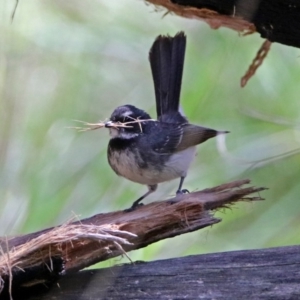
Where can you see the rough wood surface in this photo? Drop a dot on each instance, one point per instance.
(275, 20)
(253, 274)
(77, 245)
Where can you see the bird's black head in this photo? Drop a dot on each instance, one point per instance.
(124, 114)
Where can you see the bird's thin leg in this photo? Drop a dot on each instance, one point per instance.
(136, 203)
(180, 191)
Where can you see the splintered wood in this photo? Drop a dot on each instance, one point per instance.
(257, 61)
(214, 19)
(83, 243)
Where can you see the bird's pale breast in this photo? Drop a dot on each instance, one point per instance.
(128, 164)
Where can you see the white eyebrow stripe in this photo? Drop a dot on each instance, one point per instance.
(128, 135)
(126, 113)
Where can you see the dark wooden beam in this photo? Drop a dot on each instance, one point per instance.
(252, 274)
(275, 20)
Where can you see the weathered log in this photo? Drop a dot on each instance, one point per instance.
(39, 258)
(250, 274)
(275, 20)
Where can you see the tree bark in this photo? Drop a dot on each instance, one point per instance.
(251, 274)
(275, 20)
(40, 258)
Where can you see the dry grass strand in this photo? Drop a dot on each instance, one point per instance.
(94, 126)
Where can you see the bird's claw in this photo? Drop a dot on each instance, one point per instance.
(133, 207)
(183, 191)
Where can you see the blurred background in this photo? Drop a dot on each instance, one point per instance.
(62, 61)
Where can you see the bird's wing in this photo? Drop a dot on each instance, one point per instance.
(166, 137)
(193, 135)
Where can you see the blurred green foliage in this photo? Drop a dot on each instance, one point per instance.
(67, 60)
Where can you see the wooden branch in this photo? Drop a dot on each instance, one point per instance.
(275, 20)
(251, 274)
(77, 245)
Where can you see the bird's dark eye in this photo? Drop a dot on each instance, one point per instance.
(123, 117)
(127, 119)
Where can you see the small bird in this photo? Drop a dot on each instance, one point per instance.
(153, 151)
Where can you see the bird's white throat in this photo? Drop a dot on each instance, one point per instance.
(117, 133)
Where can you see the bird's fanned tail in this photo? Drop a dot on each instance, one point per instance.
(167, 59)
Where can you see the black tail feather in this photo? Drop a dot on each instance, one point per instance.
(166, 59)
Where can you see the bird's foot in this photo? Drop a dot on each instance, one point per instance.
(133, 207)
(183, 191)
(179, 192)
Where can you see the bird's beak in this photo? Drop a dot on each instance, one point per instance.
(108, 124)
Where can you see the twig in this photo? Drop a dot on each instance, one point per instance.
(257, 61)
(94, 126)
(14, 10)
